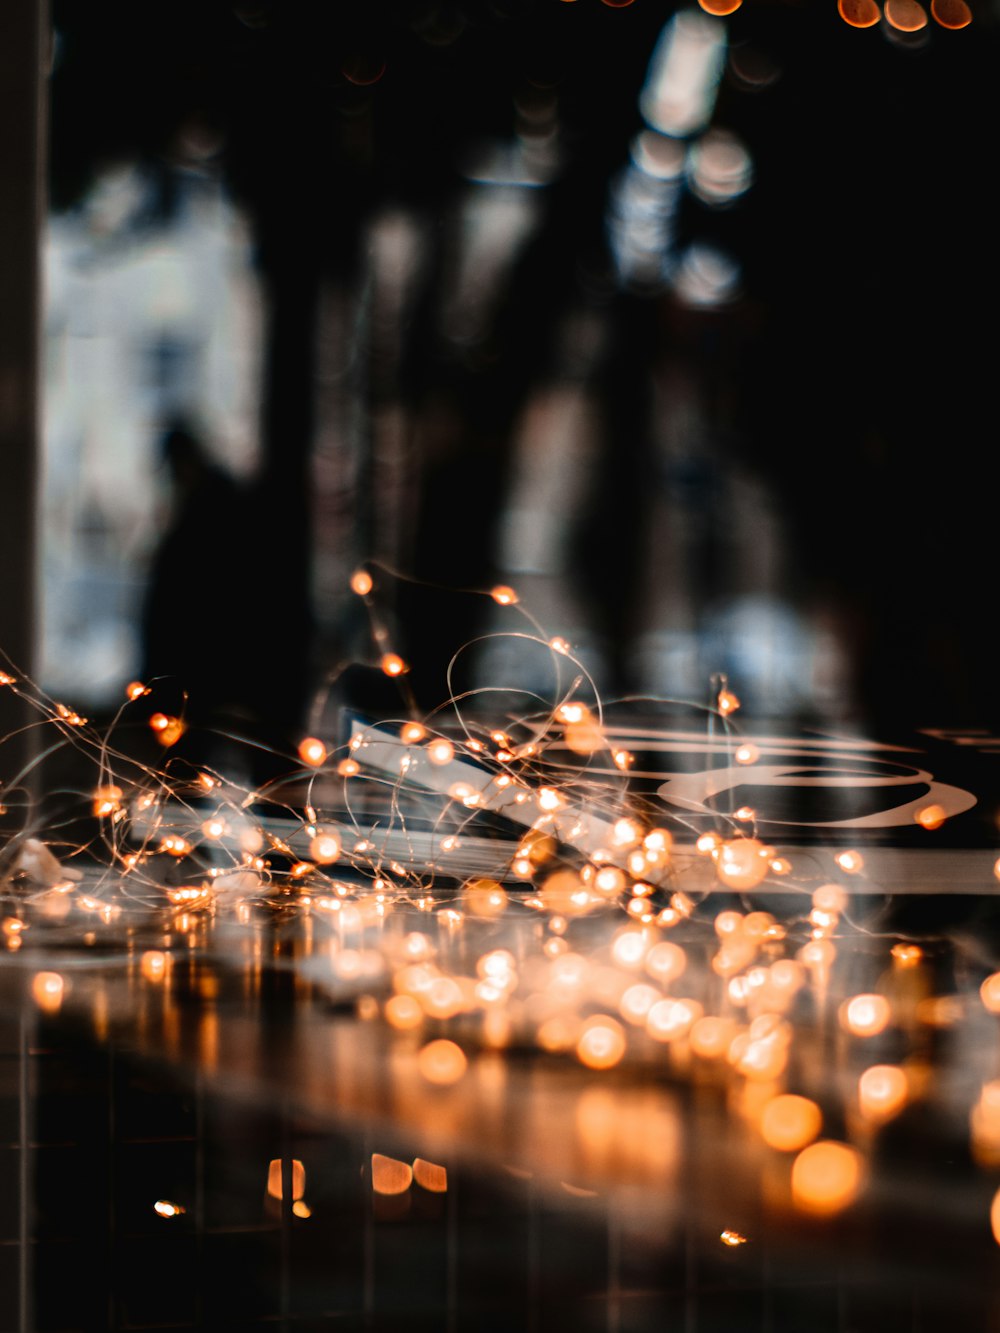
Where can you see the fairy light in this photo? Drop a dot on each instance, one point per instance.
(931, 816)
(789, 1122)
(393, 665)
(348, 768)
(728, 1237)
(165, 1208)
(504, 596)
(826, 1177)
(602, 1043)
(412, 732)
(442, 1062)
(850, 862)
(727, 702)
(440, 751)
(361, 582)
(865, 1015)
(312, 751)
(883, 1091)
(47, 990)
(746, 753)
(107, 801)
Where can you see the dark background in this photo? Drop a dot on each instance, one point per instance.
(852, 379)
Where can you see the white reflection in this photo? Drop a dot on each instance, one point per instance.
(679, 94)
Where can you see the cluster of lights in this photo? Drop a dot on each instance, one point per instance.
(663, 979)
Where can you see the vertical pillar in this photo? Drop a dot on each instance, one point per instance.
(24, 57)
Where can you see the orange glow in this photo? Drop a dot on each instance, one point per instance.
(135, 690)
(826, 1177)
(47, 989)
(859, 13)
(931, 816)
(174, 845)
(301, 1209)
(829, 898)
(711, 1037)
(601, 1044)
(485, 898)
(274, 1179)
(324, 848)
(361, 582)
(312, 751)
(989, 993)
(348, 768)
(504, 596)
(168, 730)
(167, 1209)
(564, 894)
(629, 948)
(412, 732)
(610, 881)
(549, 799)
(442, 1062)
(789, 1122)
(883, 1091)
(430, 1176)
(624, 759)
(389, 1175)
(905, 15)
(669, 1020)
(995, 1217)
(851, 863)
(951, 13)
(728, 923)
(728, 1237)
(742, 863)
(865, 1015)
(153, 965)
(107, 801)
(720, 8)
(393, 665)
(746, 753)
(728, 702)
(906, 955)
(708, 843)
(5, 679)
(440, 751)
(403, 1012)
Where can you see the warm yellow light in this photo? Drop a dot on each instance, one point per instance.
(153, 965)
(47, 989)
(485, 898)
(850, 862)
(906, 955)
(430, 1176)
(883, 1091)
(602, 1043)
(503, 595)
(989, 993)
(393, 665)
(312, 751)
(708, 843)
(107, 801)
(623, 759)
(826, 1177)
(905, 15)
(746, 753)
(859, 13)
(442, 1062)
(301, 1209)
(168, 730)
(788, 1122)
(865, 1015)
(361, 582)
(412, 732)
(931, 816)
(389, 1175)
(167, 1209)
(274, 1185)
(742, 863)
(728, 1237)
(829, 898)
(324, 848)
(951, 13)
(711, 1037)
(669, 1020)
(440, 751)
(609, 881)
(728, 702)
(549, 799)
(348, 768)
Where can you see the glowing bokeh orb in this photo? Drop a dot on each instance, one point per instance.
(312, 751)
(826, 1177)
(789, 1122)
(742, 863)
(361, 582)
(442, 1062)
